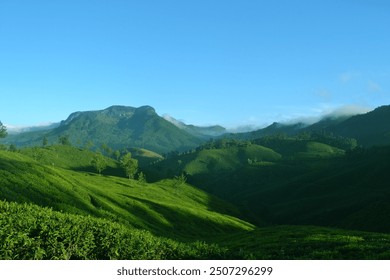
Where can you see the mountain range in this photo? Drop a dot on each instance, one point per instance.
(369, 129)
(120, 127)
(123, 127)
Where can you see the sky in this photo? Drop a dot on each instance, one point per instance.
(233, 63)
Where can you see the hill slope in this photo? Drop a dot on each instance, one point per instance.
(304, 182)
(369, 129)
(169, 207)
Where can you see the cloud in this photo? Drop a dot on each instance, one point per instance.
(347, 110)
(374, 87)
(327, 111)
(347, 76)
(13, 129)
(324, 94)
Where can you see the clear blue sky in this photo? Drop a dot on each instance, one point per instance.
(202, 61)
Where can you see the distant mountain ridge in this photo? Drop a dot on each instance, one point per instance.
(369, 129)
(200, 131)
(117, 127)
(128, 127)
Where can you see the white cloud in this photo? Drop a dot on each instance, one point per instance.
(374, 87)
(20, 128)
(347, 76)
(324, 94)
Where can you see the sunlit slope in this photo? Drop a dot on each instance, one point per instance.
(32, 232)
(212, 161)
(169, 207)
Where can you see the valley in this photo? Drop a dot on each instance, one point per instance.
(284, 192)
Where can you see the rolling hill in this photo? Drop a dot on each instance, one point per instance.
(93, 216)
(285, 192)
(292, 181)
(65, 186)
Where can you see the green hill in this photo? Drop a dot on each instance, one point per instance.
(294, 181)
(31, 232)
(110, 217)
(164, 207)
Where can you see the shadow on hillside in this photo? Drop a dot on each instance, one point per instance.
(109, 171)
(182, 225)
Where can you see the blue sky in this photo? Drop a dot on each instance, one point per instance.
(204, 62)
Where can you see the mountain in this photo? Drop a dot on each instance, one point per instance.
(369, 129)
(273, 129)
(118, 127)
(204, 132)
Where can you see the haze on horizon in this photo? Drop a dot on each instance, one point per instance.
(232, 63)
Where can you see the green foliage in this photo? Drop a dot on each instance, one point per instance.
(130, 165)
(45, 141)
(3, 130)
(13, 148)
(308, 243)
(141, 177)
(99, 162)
(64, 140)
(118, 127)
(29, 232)
(157, 207)
(293, 181)
(180, 180)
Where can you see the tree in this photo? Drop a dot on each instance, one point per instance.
(106, 149)
(3, 130)
(88, 145)
(180, 180)
(45, 141)
(64, 140)
(130, 165)
(13, 148)
(117, 154)
(99, 162)
(141, 177)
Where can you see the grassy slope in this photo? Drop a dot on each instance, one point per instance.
(32, 232)
(167, 208)
(312, 184)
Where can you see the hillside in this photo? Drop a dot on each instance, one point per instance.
(110, 217)
(301, 182)
(30, 232)
(163, 207)
(369, 129)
